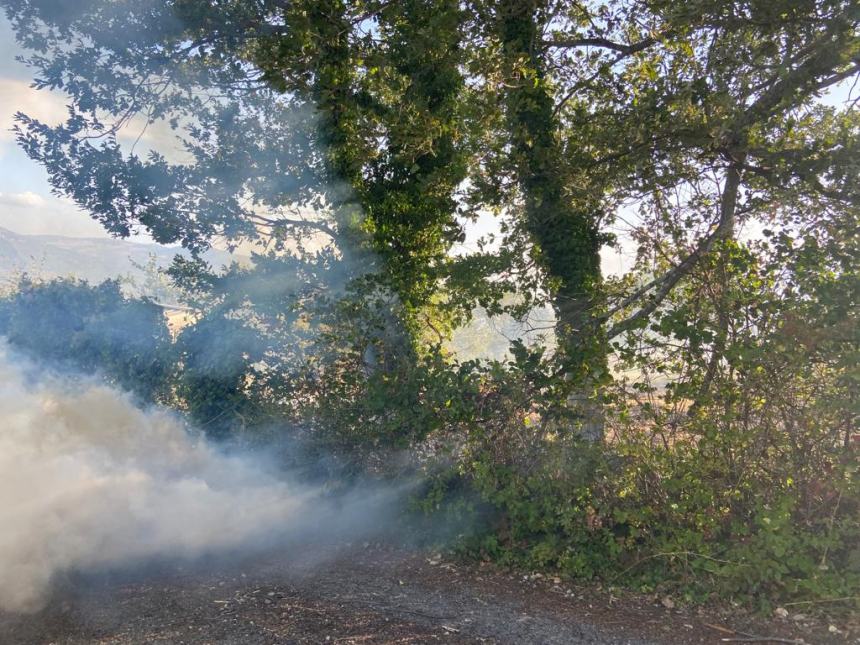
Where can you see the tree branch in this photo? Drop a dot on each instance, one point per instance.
(667, 282)
(826, 55)
(603, 43)
(301, 223)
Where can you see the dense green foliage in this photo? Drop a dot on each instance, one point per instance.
(348, 143)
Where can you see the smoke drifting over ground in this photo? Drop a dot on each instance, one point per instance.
(88, 481)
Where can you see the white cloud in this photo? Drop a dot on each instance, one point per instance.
(50, 107)
(18, 96)
(29, 213)
(27, 198)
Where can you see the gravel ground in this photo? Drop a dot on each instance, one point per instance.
(368, 594)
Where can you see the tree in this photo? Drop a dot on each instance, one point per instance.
(398, 117)
(349, 106)
(703, 119)
(560, 215)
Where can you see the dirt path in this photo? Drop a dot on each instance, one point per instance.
(358, 594)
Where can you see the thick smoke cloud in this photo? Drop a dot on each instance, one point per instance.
(88, 481)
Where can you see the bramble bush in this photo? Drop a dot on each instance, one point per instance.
(730, 463)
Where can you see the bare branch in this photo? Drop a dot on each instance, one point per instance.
(667, 282)
(809, 76)
(301, 223)
(603, 43)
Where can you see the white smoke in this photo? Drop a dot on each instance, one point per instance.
(88, 481)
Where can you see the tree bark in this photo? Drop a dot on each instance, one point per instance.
(561, 223)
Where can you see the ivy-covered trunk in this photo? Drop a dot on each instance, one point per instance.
(561, 221)
(389, 127)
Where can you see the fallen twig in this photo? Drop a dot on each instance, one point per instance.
(725, 630)
(762, 639)
(674, 554)
(354, 639)
(823, 600)
(416, 613)
(744, 637)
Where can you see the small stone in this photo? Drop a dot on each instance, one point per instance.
(833, 629)
(667, 602)
(780, 612)
(798, 617)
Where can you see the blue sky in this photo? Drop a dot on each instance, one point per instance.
(26, 203)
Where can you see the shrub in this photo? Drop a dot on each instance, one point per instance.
(91, 329)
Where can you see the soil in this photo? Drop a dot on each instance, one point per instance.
(376, 594)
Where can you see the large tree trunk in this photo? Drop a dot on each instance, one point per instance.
(561, 221)
(394, 201)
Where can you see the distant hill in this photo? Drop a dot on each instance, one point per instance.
(97, 259)
(91, 259)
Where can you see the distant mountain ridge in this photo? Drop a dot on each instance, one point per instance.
(90, 259)
(96, 260)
